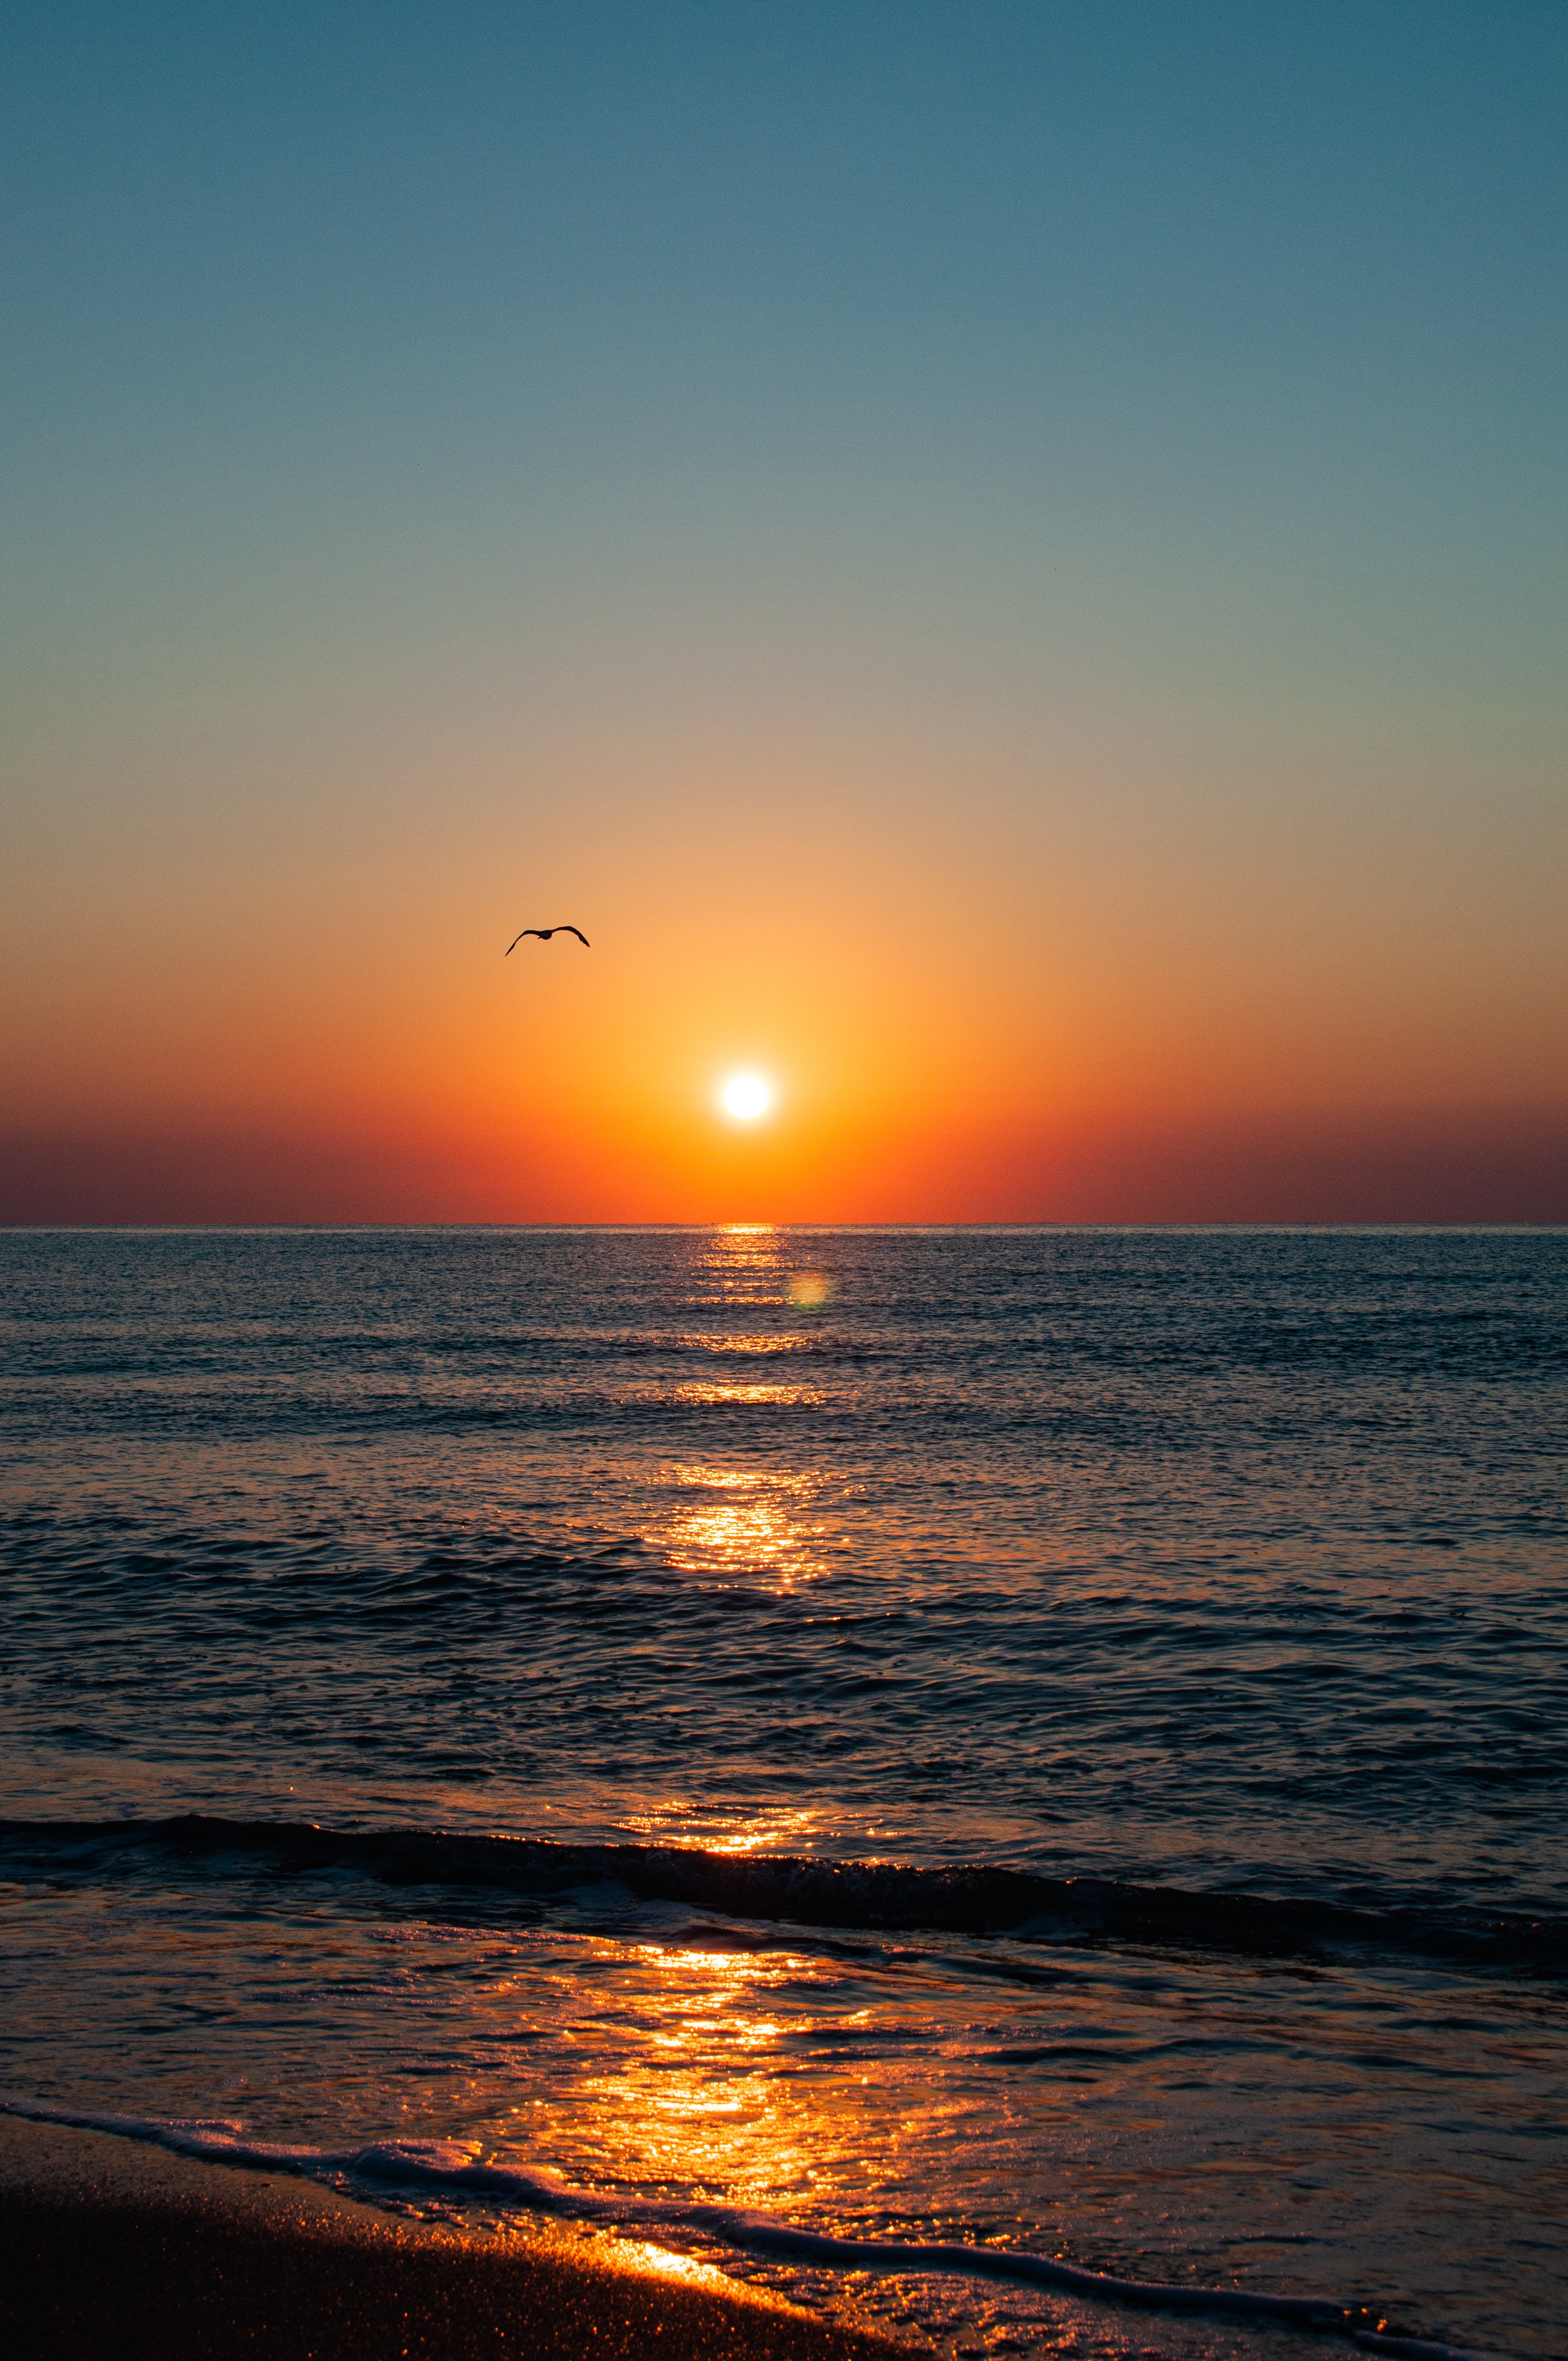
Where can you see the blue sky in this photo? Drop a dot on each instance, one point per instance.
(1246, 296)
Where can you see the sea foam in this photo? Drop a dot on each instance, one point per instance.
(456, 2169)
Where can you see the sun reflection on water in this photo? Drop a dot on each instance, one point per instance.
(703, 2103)
(763, 1341)
(639, 2255)
(754, 1832)
(744, 1260)
(751, 1263)
(750, 1523)
(806, 1396)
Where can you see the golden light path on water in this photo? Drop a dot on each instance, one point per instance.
(744, 1524)
(747, 1523)
(712, 2096)
(711, 2099)
(704, 2106)
(780, 1397)
(720, 2086)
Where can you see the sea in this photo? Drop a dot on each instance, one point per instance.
(848, 1758)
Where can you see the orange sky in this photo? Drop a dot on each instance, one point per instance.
(977, 994)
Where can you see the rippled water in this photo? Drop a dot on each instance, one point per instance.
(1223, 1566)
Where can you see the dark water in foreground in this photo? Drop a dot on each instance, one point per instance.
(1021, 1569)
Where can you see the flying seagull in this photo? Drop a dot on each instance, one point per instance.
(544, 934)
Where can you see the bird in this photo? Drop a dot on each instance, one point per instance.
(544, 934)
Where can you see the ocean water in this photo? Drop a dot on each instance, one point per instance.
(1015, 1741)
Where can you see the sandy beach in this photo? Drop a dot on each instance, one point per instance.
(112, 2248)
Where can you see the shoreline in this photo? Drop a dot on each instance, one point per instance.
(113, 2248)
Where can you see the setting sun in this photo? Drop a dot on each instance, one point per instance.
(746, 1096)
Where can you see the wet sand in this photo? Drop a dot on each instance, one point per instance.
(110, 2251)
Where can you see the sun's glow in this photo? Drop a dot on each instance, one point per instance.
(746, 1096)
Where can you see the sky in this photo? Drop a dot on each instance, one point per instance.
(1004, 562)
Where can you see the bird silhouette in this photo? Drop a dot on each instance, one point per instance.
(544, 934)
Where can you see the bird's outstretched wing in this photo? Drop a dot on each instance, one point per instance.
(544, 934)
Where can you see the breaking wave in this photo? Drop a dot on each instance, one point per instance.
(800, 1890)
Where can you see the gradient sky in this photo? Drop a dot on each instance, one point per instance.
(1005, 562)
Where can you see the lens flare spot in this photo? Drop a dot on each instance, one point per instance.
(809, 1291)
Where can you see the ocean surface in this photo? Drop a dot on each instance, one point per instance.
(1000, 1741)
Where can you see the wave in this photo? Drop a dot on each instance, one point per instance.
(453, 2168)
(804, 1890)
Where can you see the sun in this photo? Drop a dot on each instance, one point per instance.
(746, 1096)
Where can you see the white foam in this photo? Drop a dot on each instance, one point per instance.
(455, 2168)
